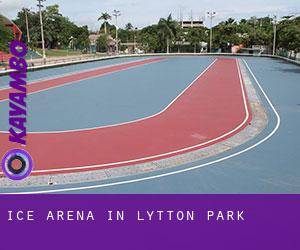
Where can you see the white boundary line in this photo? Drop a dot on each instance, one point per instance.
(75, 81)
(172, 152)
(70, 83)
(132, 121)
(88, 59)
(178, 171)
(144, 118)
(36, 81)
(122, 123)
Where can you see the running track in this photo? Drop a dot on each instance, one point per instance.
(181, 127)
(51, 83)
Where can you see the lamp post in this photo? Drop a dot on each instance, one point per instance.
(116, 14)
(27, 25)
(274, 38)
(134, 42)
(42, 29)
(211, 15)
(27, 30)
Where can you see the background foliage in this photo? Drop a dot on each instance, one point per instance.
(62, 33)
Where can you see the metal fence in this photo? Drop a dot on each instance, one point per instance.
(37, 64)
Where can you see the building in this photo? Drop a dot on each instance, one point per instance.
(132, 48)
(256, 50)
(110, 46)
(192, 24)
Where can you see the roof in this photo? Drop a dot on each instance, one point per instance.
(93, 39)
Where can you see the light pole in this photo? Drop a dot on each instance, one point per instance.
(254, 27)
(116, 14)
(211, 15)
(42, 29)
(27, 25)
(134, 36)
(274, 38)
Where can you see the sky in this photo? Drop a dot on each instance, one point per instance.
(142, 13)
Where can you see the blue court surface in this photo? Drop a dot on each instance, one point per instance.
(109, 99)
(268, 163)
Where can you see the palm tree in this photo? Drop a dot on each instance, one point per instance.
(104, 16)
(167, 30)
(128, 26)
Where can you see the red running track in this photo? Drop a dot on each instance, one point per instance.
(58, 81)
(212, 109)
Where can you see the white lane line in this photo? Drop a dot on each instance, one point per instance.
(178, 171)
(171, 152)
(144, 118)
(124, 123)
(70, 83)
(36, 81)
(88, 78)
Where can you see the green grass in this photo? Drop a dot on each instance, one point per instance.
(60, 52)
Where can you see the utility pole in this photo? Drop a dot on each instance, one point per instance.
(116, 14)
(275, 31)
(42, 29)
(134, 42)
(27, 26)
(181, 16)
(211, 15)
(254, 27)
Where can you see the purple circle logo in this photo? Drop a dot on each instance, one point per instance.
(17, 164)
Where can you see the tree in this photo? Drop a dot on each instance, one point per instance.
(6, 37)
(102, 43)
(289, 34)
(128, 26)
(82, 41)
(159, 37)
(33, 25)
(195, 36)
(226, 35)
(149, 38)
(254, 31)
(127, 34)
(68, 30)
(105, 16)
(58, 30)
(52, 26)
(167, 30)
